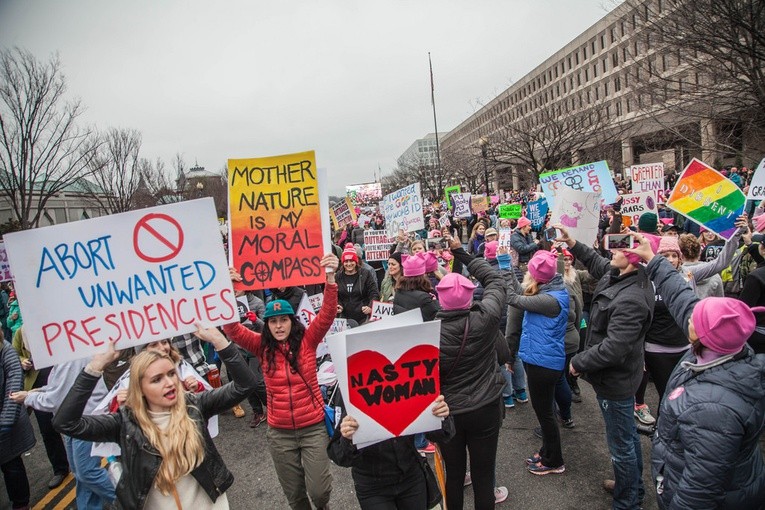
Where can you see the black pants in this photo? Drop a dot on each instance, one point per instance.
(409, 493)
(542, 382)
(16, 482)
(54, 444)
(640, 393)
(478, 431)
(661, 366)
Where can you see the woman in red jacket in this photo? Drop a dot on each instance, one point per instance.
(297, 437)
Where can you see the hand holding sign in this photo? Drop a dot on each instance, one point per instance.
(211, 335)
(103, 359)
(349, 425)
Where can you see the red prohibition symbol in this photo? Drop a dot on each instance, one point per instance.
(171, 245)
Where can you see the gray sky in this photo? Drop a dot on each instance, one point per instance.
(233, 79)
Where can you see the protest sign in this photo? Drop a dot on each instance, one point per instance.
(579, 212)
(635, 204)
(536, 212)
(380, 310)
(479, 203)
(364, 194)
(305, 312)
(448, 191)
(132, 278)
(647, 177)
(342, 213)
(494, 199)
(377, 245)
(461, 202)
(443, 221)
(363, 220)
(403, 210)
(511, 211)
(5, 267)
(757, 186)
(594, 177)
(338, 325)
(279, 217)
(387, 373)
(504, 237)
(707, 197)
(316, 301)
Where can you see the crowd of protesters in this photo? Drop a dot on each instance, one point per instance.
(521, 321)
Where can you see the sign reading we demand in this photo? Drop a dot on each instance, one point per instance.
(279, 217)
(129, 278)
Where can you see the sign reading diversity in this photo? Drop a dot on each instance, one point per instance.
(757, 186)
(593, 177)
(5, 267)
(343, 214)
(129, 278)
(536, 212)
(403, 210)
(461, 203)
(510, 211)
(279, 217)
(707, 197)
(647, 177)
(635, 204)
(377, 245)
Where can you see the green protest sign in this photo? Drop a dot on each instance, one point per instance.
(448, 194)
(510, 211)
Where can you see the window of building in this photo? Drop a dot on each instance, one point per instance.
(617, 84)
(621, 23)
(603, 41)
(586, 75)
(613, 34)
(618, 109)
(660, 5)
(564, 86)
(597, 94)
(60, 213)
(556, 71)
(578, 79)
(664, 66)
(576, 57)
(605, 89)
(605, 64)
(625, 54)
(584, 52)
(569, 63)
(595, 71)
(588, 96)
(635, 48)
(615, 59)
(593, 47)
(629, 109)
(634, 22)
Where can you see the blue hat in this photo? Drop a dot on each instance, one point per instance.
(278, 307)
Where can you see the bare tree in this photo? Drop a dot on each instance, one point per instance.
(42, 150)
(117, 171)
(155, 186)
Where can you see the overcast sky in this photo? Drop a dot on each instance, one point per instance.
(233, 79)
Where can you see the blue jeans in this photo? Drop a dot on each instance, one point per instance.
(514, 381)
(626, 454)
(94, 488)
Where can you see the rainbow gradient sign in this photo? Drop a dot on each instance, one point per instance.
(707, 197)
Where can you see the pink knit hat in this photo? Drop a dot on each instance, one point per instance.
(759, 223)
(543, 265)
(490, 249)
(414, 265)
(455, 292)
(523, 221)
(723, 325)
(654, 241)
(669, 244)
(431, 262)
(435, 233)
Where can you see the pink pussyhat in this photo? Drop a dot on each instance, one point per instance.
(490, 250)
(634, 258)
(431, 262)
(759, 223)
(434, 233)
(723, 325)
(543, 265)
(455, 292)
(523, 221)
(414, 265)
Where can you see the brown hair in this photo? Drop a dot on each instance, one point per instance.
(690, 246)
(408, 283)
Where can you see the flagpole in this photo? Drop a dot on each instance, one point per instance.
(433, 102)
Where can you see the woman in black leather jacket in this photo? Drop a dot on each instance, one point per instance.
(181, 468)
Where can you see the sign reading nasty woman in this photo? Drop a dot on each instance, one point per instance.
(129, 278)
(279, 218)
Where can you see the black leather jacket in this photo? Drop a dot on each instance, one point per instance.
(140, 460)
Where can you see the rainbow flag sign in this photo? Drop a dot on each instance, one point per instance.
(707, 197)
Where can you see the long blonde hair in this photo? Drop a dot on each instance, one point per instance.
(180, 445)
(530, 285)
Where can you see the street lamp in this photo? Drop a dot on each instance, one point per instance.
(483, 143)
(200, 188)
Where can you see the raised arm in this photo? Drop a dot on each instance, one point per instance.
(707, 269)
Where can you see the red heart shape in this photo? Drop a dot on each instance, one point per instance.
(396, 403)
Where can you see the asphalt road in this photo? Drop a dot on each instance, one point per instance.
(256, 486)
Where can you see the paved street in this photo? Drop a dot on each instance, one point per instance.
(256, 486)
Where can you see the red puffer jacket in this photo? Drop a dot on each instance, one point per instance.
(290, 404)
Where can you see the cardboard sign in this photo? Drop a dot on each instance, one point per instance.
(536, 212)
(579, 212)
(448, 191)
(647, 177)
(504, 237)
(381, 310)
(5, 266)
(635, 204)
(316, 301)
(757, 186)
(343, 214)
(592, 177)
(377, 245)
(403, 210)
(479, 203)
(279, 217)
(461, 203)
(133, 278)
(388, 375)
(707, 197)
(511, 211)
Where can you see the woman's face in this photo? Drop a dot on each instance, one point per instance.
(673, 258)
(159, 385)
(504, 223)
(708, 236)
(161, 347)
(280, 327)
(567, 262)
(349, 266)
(394, 268)
(480, 229)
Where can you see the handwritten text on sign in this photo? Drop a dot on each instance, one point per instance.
(276, 221)
(130, 278)
(403, 210)
(592, 177)
(647, 177)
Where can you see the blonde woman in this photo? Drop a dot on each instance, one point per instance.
(162, 469)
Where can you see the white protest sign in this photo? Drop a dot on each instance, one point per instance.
(364, 219)
(504, 237)
(578, 211)
(444, 222)
(305, 312)
(242, 307)
(461, 205)
(635, 204)
(592, 177)
(757, 186)
(403, 210)
(377, 245)
(647, 177)
(5, 267)
(131, 278)
(337, 326)
(381, 310)
(316, 301)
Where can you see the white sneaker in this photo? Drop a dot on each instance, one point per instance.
(500, 494)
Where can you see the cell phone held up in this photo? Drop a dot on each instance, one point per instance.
(620, 242)
(551, 234)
